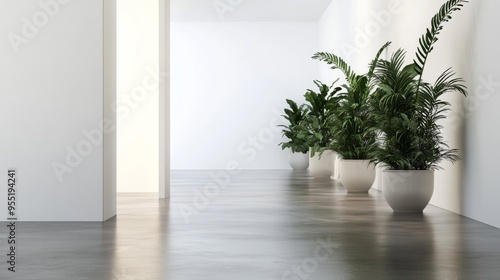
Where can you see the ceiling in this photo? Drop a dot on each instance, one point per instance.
(247, 10)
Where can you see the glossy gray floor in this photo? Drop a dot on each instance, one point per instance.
(258, 225)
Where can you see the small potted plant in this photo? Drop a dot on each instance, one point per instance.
(352, 124)
(406, 110)
(315, 128)
(298, 156)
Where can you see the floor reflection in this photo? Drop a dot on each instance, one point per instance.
(258, 225)
(141, 235)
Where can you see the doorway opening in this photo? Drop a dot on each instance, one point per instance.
(142, 97)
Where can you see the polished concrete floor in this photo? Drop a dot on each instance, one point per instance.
(257, 225)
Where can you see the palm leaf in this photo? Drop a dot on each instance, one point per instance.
(377, 57)
(430, 37)
(337, 63)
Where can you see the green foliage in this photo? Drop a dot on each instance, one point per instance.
(294, 115)
(315, 128)
(407, 109)
(351, 122)
(337, 63)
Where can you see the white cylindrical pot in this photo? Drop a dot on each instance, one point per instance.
(298, 161)
(408, 190)
(322, 166)
(357, 176)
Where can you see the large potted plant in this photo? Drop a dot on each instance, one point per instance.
(298, 148)
(353, 126)
(315, 128)
(407, 110)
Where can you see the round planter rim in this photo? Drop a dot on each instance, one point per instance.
(408, 171)
(355, 160)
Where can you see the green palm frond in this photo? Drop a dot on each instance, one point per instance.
(377, 57)
(395, 80)
(430, 37)
(407, 122)
(337, 63)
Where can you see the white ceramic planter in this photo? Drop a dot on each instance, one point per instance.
(408, 191)
(298, 161)
(357, 176)
(322, 167)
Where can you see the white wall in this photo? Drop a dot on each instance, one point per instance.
(52, 95)
(138, 100)
(355, 30)
(331, 33)
(229, 85)
(481, 191)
